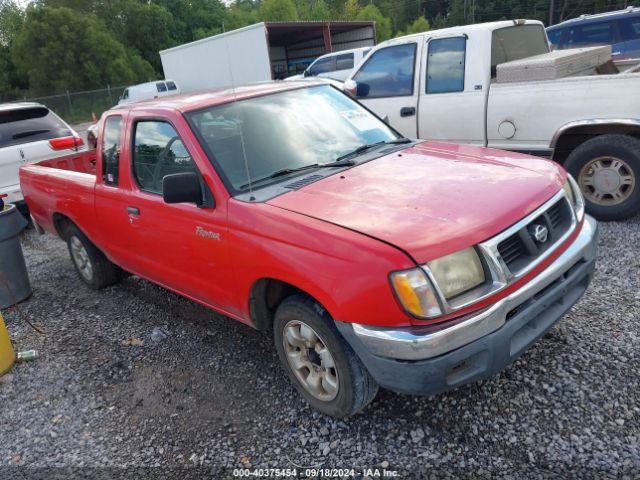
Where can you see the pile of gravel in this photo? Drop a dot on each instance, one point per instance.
(135, 376)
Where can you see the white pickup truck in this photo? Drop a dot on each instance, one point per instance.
(441, 85)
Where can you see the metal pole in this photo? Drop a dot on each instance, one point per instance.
(552, 6)
(109, 91)
(69, 100)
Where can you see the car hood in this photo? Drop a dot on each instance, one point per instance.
(431, 199)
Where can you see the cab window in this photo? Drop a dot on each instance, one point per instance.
(161, 87)
(321, 66)
(158, 151)
(445, 65)
(111, 150)
(344, 62)
(388, 72)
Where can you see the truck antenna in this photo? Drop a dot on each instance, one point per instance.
(244, 152)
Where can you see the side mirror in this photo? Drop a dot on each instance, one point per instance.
(350, 87)
(182, 188)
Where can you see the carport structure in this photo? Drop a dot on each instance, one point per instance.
(294, 45)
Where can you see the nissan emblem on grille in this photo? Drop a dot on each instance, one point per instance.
(539, 233)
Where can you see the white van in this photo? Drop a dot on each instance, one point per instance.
(335, 65)
(148, 91)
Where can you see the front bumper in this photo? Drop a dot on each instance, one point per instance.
(421, 360)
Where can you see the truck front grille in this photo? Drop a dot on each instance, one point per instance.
(528, 243)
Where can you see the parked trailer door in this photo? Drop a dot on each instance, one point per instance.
(233, 58)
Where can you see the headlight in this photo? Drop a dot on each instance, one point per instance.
(453, 274)
(415, 293)
(458, 272)
(573, 193)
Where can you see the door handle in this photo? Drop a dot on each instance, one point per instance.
(407, 111)
(133, 211)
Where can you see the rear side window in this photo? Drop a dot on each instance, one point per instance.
(321, 66)
(445, 65)
(600, 33)
(111, 150)
(161, 87)
(344, 62)
(31, 124)
(555, 36)
(171, 86)
(388, 72)
(630, 28)
(158, 151)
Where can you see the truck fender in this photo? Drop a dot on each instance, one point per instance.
(571, 134)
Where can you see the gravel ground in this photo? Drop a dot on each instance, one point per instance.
(111, 390)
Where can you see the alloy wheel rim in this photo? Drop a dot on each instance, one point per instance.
(81, 258)
(607, 181)
(310, 360)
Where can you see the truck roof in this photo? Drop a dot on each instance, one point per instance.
(487, 26)
(209, 98)
(597, 16)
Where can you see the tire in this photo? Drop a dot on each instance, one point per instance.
(91, 264)
(354, 388)
(618, 157)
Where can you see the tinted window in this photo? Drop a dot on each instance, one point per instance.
(517, 42)
(630, 28)
(171, 86)
(161, 87)
(344, 62)
(282, 131)
(600, 33)
(555, 35)
(25, 125)
(321, 66)
(388, 72)
(158, 151)
(445, 65)
(111, 150)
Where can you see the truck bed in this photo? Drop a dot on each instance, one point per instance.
(62, 184)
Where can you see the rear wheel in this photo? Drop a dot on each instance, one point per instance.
(91, 264)
(607, 168)
(317, 359)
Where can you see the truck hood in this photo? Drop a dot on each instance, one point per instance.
(431, 199)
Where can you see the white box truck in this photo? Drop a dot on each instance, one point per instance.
(261, 52)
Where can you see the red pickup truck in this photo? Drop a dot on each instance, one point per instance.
(375, 260)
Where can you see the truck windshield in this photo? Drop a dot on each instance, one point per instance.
(517, 42)
(284, 131)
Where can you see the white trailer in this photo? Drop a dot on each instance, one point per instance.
(261, 52)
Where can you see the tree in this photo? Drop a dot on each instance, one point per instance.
(278, 11)
(59, 50)
(383, 24)
(11, 20)
(351, 9)
(313, 10)
(419, 25)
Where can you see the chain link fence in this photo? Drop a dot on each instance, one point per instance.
(78, 107)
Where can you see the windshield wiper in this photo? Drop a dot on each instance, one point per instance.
(28, 133)
(369, 146)
(287, 171)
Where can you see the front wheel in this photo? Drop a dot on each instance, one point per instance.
(607, 168)
(319, 362)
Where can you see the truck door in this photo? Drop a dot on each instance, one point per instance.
(452, 100)
(180, 246)
(388, 85)
(110, 203)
